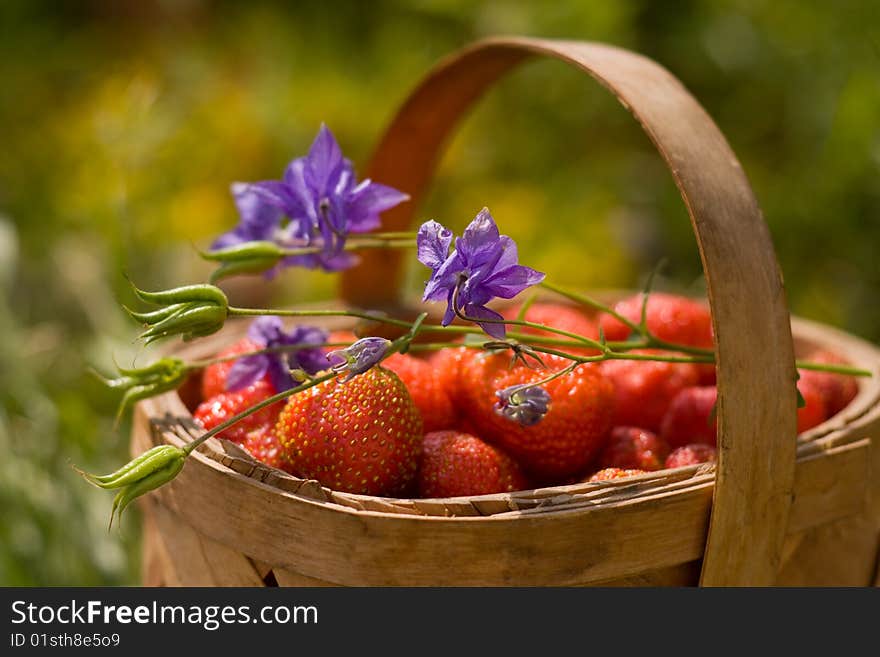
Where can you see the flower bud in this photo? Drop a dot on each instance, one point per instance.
(164, 375)
(142, 474)
(359, 356)
(191, 311)
(524, 404)
(244, 258)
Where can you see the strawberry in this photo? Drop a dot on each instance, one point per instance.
(457, 464)
(631, 447)
(814, 410)
(838, 390)
(448, 366)
(423, 384)
(569, 436)
(363, 435)
(690, 455)
(671, 318)
(643, 390)
(263, 445)
(613, 473)
(214, 376)
(690, 417)
(559, 316)
(222, 407)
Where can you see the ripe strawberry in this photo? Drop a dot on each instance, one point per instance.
(448, 365)
(690, 417)
(670, 317)
(458, 464)
(263, 445)
(643, 390)
(569, 436)
(838, 390)
(690, 455)
(631, 447)
(423, 384)
(814, 411)
(222, 407)
(362, 436)
(556, 315)
(214, 376)
(613, 473)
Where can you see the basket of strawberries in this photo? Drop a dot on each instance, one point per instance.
(488, 436)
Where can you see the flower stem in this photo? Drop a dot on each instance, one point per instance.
(520, 322)
(190, 446)
(590, 302)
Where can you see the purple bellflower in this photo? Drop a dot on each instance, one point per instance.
(483, 266)
(322, 202)
(524, 404)
(358, 357)
(269, 332)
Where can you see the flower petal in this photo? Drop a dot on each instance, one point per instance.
(279, 374)
(496, 330)
(479, 239)
(369, 198)
(266, 330)
(323, 162)
(246, 371)
(433, 242)
(509, 282)
(444, 279)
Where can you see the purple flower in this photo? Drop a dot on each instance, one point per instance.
(524, 404)
(323, 203)
(483, 266)
(267, 332)
(259, 220)
(358, 357)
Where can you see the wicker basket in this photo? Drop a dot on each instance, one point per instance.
(773, 510)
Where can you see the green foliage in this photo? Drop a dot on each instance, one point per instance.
(123, 125)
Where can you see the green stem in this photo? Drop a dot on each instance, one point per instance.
(190, 446)
(835, 369)
(520, 322)
(583, 299)
(351, 245)
(201, 364)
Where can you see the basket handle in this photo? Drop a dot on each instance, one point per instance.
(755, 355)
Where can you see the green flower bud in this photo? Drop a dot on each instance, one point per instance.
(164, 375)
(142, 474)
(185, 294)
(245, 258)
(191, 311)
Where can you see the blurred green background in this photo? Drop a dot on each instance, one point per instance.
(124, 122)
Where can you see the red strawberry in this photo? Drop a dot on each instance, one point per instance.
(424, 386)
(214, 376)
(643, 390)
(690, 455)
(224, 406)
(814, 411)
(690, 417)
(569, 436)
(556, 315)
(458, 464)
(631, 447)
(448, 365)
(263, 445)
(670, 317)
(363, 435)
(613, 473)
(838, 390)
